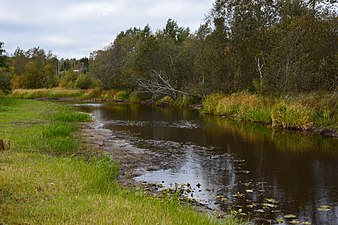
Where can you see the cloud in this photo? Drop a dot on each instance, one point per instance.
(74, 28)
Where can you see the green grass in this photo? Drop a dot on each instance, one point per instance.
(46, 179)
(70, 116)
(295, 112)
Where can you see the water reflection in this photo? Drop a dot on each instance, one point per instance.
(260, 172)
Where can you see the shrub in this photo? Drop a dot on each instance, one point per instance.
(85, 81)
(165, 101)
(121, 96)
(5, 82)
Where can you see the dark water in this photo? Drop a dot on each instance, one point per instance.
(268, 176)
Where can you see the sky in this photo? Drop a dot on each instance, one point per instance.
(75, 28)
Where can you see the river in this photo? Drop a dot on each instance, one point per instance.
(269, 176)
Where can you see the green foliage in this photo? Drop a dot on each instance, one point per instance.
(58, 129)
(68, 80)
(290, 115)
(258, 46)
(121, 96)
(86, 81)
(70, 116)
(5, 81)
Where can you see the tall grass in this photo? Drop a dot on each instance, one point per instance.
(67, 115)
(299, 112)
(47, 93)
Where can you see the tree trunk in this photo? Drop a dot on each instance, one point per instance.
(2, 145)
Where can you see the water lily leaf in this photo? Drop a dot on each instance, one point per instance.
(238, 194)
(294, 221)
(306, 223)
(271, 200)
(260, 211)
(275, 211)
(269, 205)
(290, 216)
(249, 191)
(324, 208)
(280, 220)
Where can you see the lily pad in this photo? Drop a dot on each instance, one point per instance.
(269, 205)
(275, 211)
(260, 211)
(294, 222)
(271, 200)
(324, 208)
(280, 220)
(249, 191)
(290, 216)
(238, 195)
(306, 223)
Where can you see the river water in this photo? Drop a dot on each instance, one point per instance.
(265, 175)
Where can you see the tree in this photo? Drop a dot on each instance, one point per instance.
(5, 76)
(3, 57)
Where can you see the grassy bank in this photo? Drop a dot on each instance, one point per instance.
(46, 179)
(77, 94)
(303, 112)
(291, 112)
(97, 94)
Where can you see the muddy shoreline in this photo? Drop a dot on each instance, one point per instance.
(133, 162)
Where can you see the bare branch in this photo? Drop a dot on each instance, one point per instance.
(159, 84)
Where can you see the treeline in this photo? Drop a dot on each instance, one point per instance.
(260, 46)
(36, 68)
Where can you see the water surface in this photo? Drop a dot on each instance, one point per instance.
(270, 176)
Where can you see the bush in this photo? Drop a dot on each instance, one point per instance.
(165, 101)
(121, 96)
(85, 81)
(5, 82)
(68, 80)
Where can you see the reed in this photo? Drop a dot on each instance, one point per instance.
(289, 112)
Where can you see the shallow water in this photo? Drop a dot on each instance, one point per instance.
(266, 175)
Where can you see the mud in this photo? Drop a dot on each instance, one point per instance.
(132, 161)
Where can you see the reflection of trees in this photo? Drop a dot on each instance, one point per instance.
(299, 170)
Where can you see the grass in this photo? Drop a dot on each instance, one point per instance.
(46, 179)
(47, 93)
(291, 112)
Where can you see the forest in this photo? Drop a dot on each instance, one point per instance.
(260, 46)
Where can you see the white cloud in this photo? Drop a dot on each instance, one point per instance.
(74, 28)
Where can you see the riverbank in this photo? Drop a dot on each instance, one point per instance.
(48, 177)
(314, 113)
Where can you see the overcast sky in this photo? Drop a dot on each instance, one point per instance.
(74, 28)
